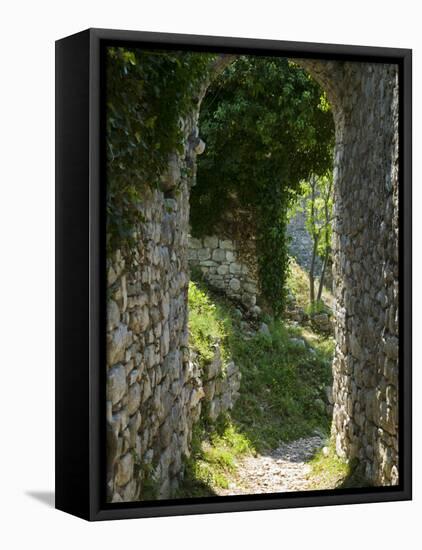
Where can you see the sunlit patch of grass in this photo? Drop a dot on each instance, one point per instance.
(284, 376)
(215, 450)
(298, 283)
(208, 323)
(282, 395)
(328, 471)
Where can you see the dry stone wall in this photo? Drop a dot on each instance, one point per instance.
(153, 391)
(156, 390)
(365, 252)
(224, 269)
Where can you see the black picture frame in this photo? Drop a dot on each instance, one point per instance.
(80, 275)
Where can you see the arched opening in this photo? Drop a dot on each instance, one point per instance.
(269, 137)
(365, 115)
(155, 393)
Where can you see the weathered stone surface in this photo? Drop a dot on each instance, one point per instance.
(124, 469)
(227, 244)
(225, 271)
(113, 315)
(119, 339)
(219, 255)
(171, 177)
(134, 398)
(234, 284)
(116, 383)
(365, 245)
(235, 268)
(365, 271)
(211, 242)
(204, 254)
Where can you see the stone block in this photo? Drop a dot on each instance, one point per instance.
(227, 244)
(234, 285)
(134, 398)
(204, 254)
(116, 383)
(235, 268)
(219, 255)
(211, 242)
(117, 343)
(124, 471)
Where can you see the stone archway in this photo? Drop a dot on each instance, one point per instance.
(364, 99)
(154, 393)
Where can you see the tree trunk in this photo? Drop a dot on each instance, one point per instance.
(315, 247)
(327, 243)
(311, 271)
(321, 280)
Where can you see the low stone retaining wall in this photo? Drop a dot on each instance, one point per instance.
(222, 268)
(156, 390)
(221, 383)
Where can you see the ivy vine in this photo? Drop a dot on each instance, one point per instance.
(267, 126)
(147, 95)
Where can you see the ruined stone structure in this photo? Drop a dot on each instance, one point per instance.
(225, 269)
(154, 389)
(364, 98)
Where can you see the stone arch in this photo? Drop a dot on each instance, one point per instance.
(364, 97)
(364, 100)
(154, 393)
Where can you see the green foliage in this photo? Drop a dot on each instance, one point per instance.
(147, 94)
(317, 204)
(327, 469)
(283, 381)
(267, 126)
(317, 307)
(298, 283)
(284, 375)
(317, 193)
(209, 323)
(213, 457)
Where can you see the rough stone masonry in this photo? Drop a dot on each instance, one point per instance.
(154, 389)
(364, 97)
(224, 268)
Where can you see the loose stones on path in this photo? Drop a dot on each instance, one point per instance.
(285, 469)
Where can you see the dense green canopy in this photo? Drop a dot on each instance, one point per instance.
(267, 126)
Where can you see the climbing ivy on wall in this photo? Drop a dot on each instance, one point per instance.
(267, 126)
(147, 95)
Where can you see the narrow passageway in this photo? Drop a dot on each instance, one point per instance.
(284, 469)
(221, 351)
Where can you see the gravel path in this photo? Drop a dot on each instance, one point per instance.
(283, 470)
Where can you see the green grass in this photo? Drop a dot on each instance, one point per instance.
(284, 375)
(298, 283)
(283, 385)
(329, 471)
(209, 323)
(212, 463)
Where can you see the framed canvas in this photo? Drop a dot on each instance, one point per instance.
(233, 274)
